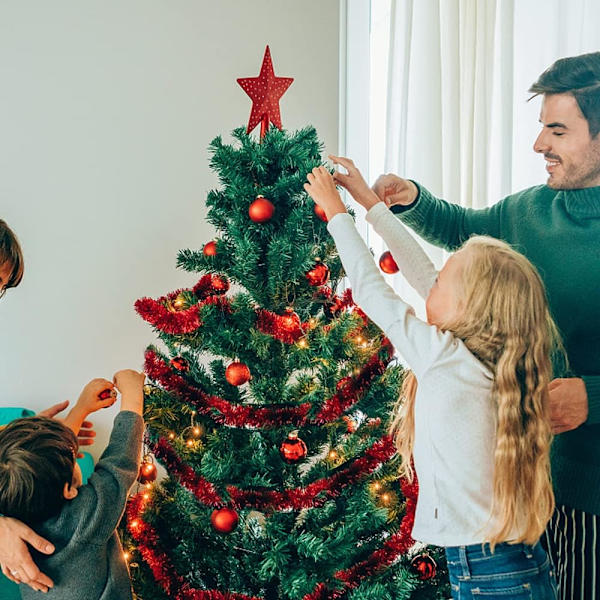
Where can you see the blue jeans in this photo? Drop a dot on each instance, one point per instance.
(516, 571)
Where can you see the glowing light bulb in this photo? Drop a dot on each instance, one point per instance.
(333, 454)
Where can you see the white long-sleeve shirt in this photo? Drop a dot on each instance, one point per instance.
(455, 414)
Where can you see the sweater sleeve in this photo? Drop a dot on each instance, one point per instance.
(100, 503)
(413, 262)
(419, 343)
(446, 224)
(592, 385)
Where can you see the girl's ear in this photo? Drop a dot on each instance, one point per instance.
(70, 491)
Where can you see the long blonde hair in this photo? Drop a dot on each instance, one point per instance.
(504, 321)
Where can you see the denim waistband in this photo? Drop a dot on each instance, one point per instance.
(466, 558)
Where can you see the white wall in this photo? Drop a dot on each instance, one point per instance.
(106, 110)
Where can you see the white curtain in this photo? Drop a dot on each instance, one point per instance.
(447, 92)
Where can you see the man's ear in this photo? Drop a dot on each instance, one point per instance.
(70, 491)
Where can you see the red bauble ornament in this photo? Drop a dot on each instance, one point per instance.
(148, 471)
(180, 364)
(318, 275)
(424, 566)
(293, 449)
(210, 249)
(387, 263)
(237, 373)
(290, 321)
(265, 91)
(219, 284)
(106, 394)
(261, 210)
(224, 520)
(320, 213)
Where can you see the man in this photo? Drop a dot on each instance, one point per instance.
(15, 559)
(557, 226)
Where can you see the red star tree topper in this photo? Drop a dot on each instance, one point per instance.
(265, 91)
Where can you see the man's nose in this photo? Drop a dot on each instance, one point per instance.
(542, 144)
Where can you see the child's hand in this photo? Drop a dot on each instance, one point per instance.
(128, 381)
(354, 182)
(98, 393)
(131, 385)
(321, 188)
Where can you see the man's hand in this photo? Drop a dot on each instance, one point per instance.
(15, 559)
(321, 188)
(568, 404)
(354, 182)
(394, 190)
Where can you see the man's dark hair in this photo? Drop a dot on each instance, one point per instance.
(10, 251)
(579, 76)
(37, 458)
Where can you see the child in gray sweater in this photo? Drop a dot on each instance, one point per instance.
(40, 484)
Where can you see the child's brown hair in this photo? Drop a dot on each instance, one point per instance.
(37, 458)
(10, 251)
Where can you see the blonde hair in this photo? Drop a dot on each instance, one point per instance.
(505, 322)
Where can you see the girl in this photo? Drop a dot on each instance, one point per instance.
(472, 415)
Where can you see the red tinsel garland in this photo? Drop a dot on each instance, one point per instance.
(238, 415)
(165, 574)
(285, 328)
(349, 393)
(158, 315)
(396, 545)
(314, 494)
(227, 413)
(162, 568)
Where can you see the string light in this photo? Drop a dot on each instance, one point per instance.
(333, 455)
(385, 498)
(302, 343)
(377, 486)
(126, 555)
(179, 302)
(171, 436)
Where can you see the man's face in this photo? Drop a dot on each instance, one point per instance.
(572, 156)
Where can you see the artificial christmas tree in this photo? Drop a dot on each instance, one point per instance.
(269, 407)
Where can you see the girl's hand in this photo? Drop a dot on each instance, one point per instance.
(321, 188)
(354, 182)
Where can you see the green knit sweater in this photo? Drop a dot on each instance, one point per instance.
(559, 231)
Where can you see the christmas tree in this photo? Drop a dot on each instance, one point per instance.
(269, 404)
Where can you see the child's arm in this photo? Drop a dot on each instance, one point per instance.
(411, 259)
(89, 401)
(101, 502)
(420, 343)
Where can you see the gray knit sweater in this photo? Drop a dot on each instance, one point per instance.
(88, 562)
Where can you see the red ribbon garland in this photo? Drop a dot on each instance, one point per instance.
(162, 568)
(238, 415)
(295, 498)
(165, 574)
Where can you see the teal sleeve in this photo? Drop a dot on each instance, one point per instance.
(449, 225)
(592, 385)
